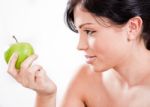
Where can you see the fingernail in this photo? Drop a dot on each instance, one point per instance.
(15, 54)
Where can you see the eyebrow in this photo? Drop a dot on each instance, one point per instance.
(84, 25)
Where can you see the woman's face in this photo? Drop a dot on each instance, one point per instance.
(105, 46)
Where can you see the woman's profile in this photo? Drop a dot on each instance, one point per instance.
(115, 37)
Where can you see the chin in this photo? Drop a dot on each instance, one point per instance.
(100, 68)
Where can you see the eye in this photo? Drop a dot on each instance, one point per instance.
(89, 32)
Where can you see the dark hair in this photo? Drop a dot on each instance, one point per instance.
(118, 11)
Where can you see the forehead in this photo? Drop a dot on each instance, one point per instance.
(81, 16)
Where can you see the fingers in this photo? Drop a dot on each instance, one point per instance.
(33, 77)
(32, 72)
(21, 75)
(39, 76)
(11, 65)
(27, 72)
(30, 75)
(43, 83)
(28, 62)
(26, 65)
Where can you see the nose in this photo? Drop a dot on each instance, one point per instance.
(83, 43)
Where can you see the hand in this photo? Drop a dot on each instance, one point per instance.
(31, 76)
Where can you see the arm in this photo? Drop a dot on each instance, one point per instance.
(35, 78)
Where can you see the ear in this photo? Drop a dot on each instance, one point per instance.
(134, 27)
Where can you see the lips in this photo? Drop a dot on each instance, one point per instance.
(90, 58)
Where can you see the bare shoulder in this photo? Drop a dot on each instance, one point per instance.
(84, 75)
(76, 89)
(84, 85)
(79, 79)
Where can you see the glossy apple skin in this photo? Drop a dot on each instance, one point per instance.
(23, 50)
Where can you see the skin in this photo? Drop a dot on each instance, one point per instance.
(122, 81)
(117, 73)
(35, 78)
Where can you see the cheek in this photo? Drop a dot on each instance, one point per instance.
(101, 45)
(109, 47)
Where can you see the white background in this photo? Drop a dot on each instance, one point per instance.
(41, 23)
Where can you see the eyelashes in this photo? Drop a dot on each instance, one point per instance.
(89, 32)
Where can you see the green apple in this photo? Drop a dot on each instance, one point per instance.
(23, 49)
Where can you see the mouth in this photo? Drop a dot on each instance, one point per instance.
(90, 59)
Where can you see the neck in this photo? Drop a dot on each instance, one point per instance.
(136, 68)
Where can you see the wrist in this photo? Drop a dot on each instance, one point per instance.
(48, 95)
(46, 100)
(48, 92)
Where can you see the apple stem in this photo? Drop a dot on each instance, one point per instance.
(15, 39)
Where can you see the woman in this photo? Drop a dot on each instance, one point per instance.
(115, 36)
